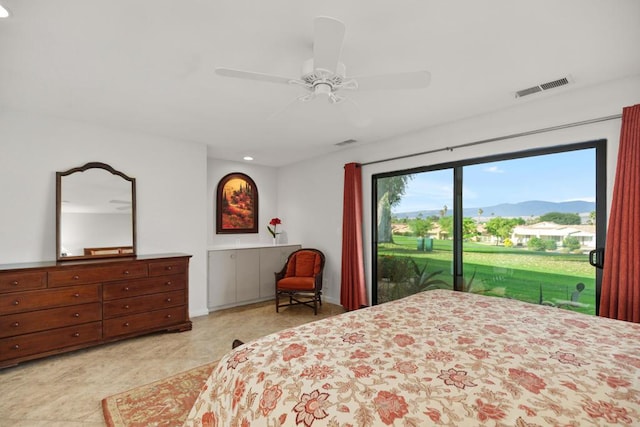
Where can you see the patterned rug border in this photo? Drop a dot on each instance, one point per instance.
(112, 411)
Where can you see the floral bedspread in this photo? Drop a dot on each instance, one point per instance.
(435, 358)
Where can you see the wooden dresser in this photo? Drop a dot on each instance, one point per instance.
(53, 307)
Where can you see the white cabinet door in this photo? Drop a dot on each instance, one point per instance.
(222, 278)
(238, 276)
(247, 274)
(272, 260)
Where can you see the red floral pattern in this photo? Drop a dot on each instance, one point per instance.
(311, 408)
(390, 406)
(409, 362)
(269, 399)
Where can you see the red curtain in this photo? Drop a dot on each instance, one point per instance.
(353, 293)
(620, 297)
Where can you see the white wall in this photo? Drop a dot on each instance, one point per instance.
(170, 177)
(176, 183)
(310, 193)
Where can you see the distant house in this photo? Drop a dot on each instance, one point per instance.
(586, 234)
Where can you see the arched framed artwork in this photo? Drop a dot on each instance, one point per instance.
(236, 204)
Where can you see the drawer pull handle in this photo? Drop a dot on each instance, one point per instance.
(76, 314)
(169, 283)
(16, 302)
(14, 283)
(77, 334)
(126, 306)
(126, 272)
(76, 277)
(168, 299)
(15, 324)
(77, 295)
(126, 324)
(169, 268)
(16, 347)
(168, 316)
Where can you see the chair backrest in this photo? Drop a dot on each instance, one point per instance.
(305, 263)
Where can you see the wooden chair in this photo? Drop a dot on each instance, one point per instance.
(301, 279)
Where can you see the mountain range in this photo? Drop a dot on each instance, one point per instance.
(521, 209)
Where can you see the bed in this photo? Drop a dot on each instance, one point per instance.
(435, 358)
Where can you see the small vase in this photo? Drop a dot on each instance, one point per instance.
(275, 241)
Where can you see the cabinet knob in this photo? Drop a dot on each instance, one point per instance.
(14, 283)
(126, 289)
(169, 268)
(126, 324)
(126, 306)
(16, 302)
(16, 347)
(126, 272)
(169, 283)
(77, 334)
(15, 324)
(168, 316)
(76, 314)
(77, 295)
(168, 299)
(76, 277)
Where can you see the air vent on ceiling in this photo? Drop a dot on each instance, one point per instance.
(345, 142)
(544, 86)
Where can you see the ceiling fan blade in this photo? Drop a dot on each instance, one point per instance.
(290, 106)
(328, 34)
(353, 113)
(251, 75)
(409, 80)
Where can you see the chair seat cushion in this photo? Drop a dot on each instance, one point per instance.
(296, 283)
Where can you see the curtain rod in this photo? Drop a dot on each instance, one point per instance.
(499, 138)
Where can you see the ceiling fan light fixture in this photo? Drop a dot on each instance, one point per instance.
(322, 88)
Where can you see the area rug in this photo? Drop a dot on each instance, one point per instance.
(162, 403)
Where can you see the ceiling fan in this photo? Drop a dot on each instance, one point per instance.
(325, 76)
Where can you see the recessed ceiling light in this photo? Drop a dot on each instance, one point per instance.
(4, 13)
(248, 158)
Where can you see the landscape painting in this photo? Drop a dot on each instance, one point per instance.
(236, 204)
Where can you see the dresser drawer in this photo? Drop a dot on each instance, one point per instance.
(35, 300)
(154, 285)
(141, 304)
(162, 268)
(150, 321)
(40, 342)
(14, 282)
(77, 276)
(41, 320)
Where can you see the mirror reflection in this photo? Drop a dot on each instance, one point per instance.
(96, 212)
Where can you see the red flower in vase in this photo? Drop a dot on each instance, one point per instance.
(274, 222)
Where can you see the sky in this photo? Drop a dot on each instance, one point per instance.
(552, 177)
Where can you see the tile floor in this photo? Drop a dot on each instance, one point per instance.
(67, 390)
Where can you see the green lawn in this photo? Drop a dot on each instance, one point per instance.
(510, 272)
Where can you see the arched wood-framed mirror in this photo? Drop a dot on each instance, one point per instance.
(95, 213)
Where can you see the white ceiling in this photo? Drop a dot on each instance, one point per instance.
(148, 65)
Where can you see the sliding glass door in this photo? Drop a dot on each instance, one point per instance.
(414, 224)
(518, 226)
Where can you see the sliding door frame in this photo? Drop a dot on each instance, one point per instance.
(600, 147)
